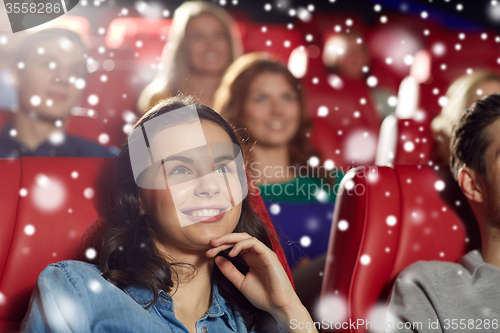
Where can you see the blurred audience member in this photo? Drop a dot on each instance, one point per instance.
(347, 55)
(461, 94)
(48, 64)
(437, 292)
(201, 45)
(261, 95)
(8, 93)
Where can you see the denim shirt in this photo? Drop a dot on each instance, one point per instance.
(72, 296)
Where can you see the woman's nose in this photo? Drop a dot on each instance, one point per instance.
(278, 107)
(207, 186)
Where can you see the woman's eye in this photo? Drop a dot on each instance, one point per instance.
(260, 98)
(179, 171)
(198, 37)
(220, 36)
(289, 97)
(222, 168)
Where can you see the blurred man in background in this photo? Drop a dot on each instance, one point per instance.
(49, 73)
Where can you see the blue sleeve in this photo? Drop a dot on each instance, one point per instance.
(55, 305)
(74, 297)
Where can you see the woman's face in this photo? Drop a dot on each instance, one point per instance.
(207, 45)
(200, 202)
(272, 110)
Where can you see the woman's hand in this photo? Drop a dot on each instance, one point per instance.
(266, 284)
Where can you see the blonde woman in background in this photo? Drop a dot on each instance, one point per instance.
(202, 43)
(461, 94)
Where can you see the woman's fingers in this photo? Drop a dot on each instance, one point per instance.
(215, 250)
(248, 244)
(225, 242)
(230, 271)
(229, 238)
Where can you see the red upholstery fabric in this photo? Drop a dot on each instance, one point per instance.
(270, 38)
(55, 233)
(420, 136)
(10, 174)
(47, 224)
(402, 215)
(350, 118)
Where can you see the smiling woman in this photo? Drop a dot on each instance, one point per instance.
(202, 43)
(179, 229)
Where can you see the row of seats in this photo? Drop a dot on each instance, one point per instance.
(125, 60)
(385, 219)
(47, 205)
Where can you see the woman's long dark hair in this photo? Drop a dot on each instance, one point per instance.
(126, 253)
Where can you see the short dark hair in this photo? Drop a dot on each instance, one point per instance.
(470, 139)
(28, 44)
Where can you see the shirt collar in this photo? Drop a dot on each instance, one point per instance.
(218, 308)
(473, 260)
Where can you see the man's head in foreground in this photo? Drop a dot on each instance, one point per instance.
(475, 160)
(50, 73)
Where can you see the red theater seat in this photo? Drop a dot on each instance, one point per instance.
(47, 204)
(350, 117)
(275, 39)
(386, 219)
(405, 141)
(10, 174)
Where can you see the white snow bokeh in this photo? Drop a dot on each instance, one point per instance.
(332, 308)
(313, 161)
(65, 314)
(275, 209)
(305, 241)
(35, 100)
(365, 259)
(329, 165)
(103, 138)
(335, 81)
(313, 224)
(321, 195)
(323, 111)
(387, 44)
(391, 220)
(29, 230)
(90, 253)
(439, 185)
(48, 193)
(298, 62)
(360, 147)
(88, 193)
(376, 316)
(409, 146)
(95, 286)
(343, 225)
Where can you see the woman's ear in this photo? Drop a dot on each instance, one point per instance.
(472, 185)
